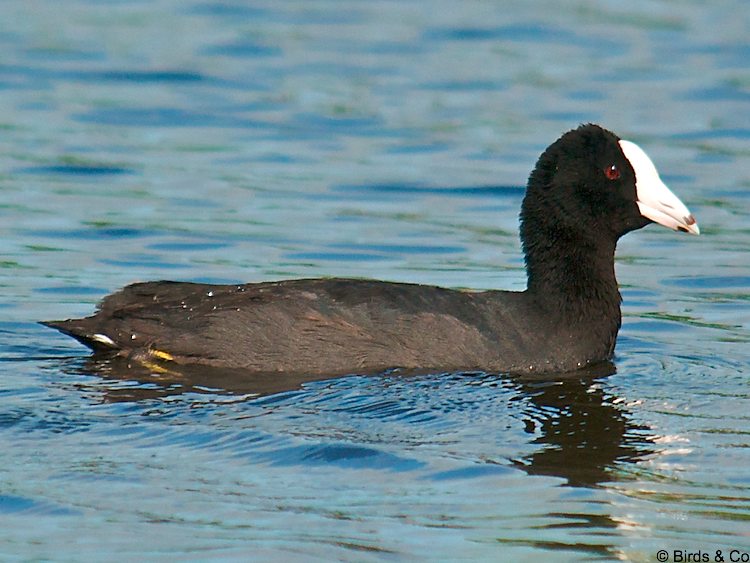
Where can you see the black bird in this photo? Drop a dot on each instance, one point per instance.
(587, 190)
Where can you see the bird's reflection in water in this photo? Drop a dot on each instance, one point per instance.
(585, 436)
(582, 430)
(164, 379)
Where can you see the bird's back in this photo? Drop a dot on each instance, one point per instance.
(321, 326)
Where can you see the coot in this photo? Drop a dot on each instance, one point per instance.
(587, 190)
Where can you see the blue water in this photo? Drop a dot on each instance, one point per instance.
(227, 142)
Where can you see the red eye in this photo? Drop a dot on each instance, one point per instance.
(612, 172)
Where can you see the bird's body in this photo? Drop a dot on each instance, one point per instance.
(332, 326)
(582, 196)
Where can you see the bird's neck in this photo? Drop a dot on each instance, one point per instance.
(573, 276)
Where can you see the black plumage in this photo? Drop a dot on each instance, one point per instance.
(582, 196)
